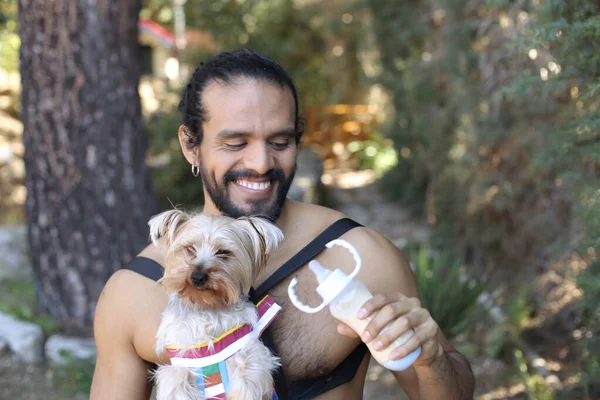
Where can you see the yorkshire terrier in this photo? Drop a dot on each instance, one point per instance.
(210, 329)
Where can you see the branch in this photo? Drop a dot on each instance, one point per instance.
(585, 142)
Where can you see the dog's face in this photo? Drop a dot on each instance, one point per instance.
(212, 261)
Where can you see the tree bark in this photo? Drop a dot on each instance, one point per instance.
(89, 195)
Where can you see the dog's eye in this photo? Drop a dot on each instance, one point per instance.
(190, 251)
(223, 253)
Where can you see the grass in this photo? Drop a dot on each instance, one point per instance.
(445, 291)
(17, 298)
(73, 378)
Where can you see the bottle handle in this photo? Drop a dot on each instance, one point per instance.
(299, 304)
(312, 310)
(347, 245)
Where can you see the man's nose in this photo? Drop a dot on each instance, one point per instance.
(260, 159)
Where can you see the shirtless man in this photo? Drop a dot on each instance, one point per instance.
(240, 134)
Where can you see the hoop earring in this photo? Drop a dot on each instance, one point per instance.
(195, 171)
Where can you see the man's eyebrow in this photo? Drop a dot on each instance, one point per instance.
(289, 132)
(231, 134)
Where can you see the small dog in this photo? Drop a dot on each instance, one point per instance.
(209, 327)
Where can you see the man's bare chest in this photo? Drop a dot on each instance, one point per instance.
(305, 343)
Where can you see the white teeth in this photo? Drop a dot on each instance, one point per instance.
(254, 185)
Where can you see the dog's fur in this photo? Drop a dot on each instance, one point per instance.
(230, 252)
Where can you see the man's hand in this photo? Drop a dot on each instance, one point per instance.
(402, 313)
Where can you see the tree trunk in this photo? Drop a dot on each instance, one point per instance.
(89, 195)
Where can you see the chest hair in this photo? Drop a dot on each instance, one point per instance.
(303, 341)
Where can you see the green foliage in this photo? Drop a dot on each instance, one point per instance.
(589, 282)
(73, 378)
(296, 35)
(173, 181)
(377, 154)
(9, 38)
(445, 291)
(17, 298)
(497, 106)
(505, 336)
(535, 385)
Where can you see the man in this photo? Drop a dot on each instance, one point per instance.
(240, 134)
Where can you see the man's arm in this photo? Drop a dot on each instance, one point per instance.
(440, 372)
(120, 373)
(451, 371)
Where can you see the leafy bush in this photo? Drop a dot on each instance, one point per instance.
(173, 181)
(446, 292)
(17, 298)
(377, 154)
(589, 282)
(73, 378)
(496, 109)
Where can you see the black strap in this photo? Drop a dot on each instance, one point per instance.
(310, 388)
(334, 231)
(146, 267)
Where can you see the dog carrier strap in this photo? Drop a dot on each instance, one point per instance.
(334, 231)
(146, 267)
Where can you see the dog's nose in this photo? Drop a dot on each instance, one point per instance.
(199, 278)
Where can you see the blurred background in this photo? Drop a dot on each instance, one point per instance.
(466, 131)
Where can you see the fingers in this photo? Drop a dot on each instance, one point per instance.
(386, 313)
(397, 328)
(425, 336)
(345, 330)
(377, 302)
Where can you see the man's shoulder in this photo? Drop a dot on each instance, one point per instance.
(315, 218)
(384, 266)
(314, 215)
(124, 296)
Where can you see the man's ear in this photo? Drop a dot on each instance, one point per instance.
(165, 224)
(192, 155)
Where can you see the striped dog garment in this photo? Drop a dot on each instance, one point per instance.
(209, 362)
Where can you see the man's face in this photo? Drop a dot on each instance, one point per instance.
(247, 157)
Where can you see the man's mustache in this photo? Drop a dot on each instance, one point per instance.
(272, 174)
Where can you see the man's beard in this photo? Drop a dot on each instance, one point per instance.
(269, 208)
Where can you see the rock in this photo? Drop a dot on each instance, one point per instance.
(14, 263)
(63, 349)
(380, 384)
(25, 339)
(400, 243)
(307, 181)
(359, 213)
(3, 347)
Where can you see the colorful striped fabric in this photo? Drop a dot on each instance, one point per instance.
(208, 359)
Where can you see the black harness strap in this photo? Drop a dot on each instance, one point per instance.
(316, 246)
(310, 251)
(146, 267)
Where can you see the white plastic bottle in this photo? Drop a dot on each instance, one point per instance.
(345, 295)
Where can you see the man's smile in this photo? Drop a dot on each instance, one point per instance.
(254, 187)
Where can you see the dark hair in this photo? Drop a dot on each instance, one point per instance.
(224, 68)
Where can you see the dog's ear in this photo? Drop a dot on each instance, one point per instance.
(166, 224)
(265, 235)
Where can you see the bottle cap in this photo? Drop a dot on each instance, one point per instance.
(333, 283)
